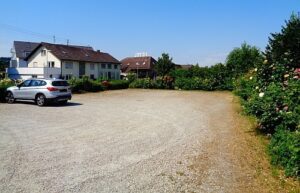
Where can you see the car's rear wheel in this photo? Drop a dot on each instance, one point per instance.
(40, 100)
(10, 98)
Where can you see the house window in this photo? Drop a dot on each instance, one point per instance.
(92, 76)
(113, 75)
(51, 64)
(68, 76)
(34, 76)
(109, 66)
(26, 54)
(69, 65)
(116, 66)
(35, 64)
(109, 75)
(43, 52)
(14, 63)
(117, 75)
(103, 66)
(92, 66)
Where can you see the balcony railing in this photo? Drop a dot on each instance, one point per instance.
(33, 71)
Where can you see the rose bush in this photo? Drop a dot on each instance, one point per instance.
(273, 96)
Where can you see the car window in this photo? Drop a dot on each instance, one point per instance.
(43, 83)
(60, 83)
(26, 83)
(35, 83)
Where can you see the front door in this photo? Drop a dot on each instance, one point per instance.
(81, 69)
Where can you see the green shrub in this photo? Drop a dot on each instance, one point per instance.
(285, 151)
(194, 84)
(159, 83)
(118, 84)
(84, 84)
(277, 105)
(245, 85)
(95, 87)
(273, 96)
(131, 77)
(4, 84)
(141, 83)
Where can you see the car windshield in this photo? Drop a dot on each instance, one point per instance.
(60, 83)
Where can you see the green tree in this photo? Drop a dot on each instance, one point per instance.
(241, 60)
(282, 53)
(3, 65)
(164, 65)
(285, 46)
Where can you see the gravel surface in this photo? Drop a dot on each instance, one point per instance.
(122, 141)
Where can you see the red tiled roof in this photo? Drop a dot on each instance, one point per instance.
(133, 63)
(77, 53)
(184, 66)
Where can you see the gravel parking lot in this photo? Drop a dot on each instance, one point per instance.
(121, 141)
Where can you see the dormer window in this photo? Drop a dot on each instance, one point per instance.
(43, 52)
(26, 54)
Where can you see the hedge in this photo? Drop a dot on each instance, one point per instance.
(4, 84)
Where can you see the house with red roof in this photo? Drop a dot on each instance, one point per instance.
(142, 66)
(48, 60)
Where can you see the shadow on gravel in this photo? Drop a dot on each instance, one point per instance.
(69, 104)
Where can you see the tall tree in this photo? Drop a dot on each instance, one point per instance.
(285, 46)
(282, 53)
(164, 65)
(241, 60)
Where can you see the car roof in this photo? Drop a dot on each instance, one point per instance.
(47, 79)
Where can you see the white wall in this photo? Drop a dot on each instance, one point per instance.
(74, 71)
(37, 60)
(88, 71)
(115, 73)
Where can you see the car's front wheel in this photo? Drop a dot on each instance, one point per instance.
(40, 100)
(10, 98)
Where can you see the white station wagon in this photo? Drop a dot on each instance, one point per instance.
(42, 91)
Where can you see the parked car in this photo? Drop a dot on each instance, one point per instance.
(42, 91)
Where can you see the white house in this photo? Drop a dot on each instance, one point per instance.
(66, 61)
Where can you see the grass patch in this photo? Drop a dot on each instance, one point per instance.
(269, 177)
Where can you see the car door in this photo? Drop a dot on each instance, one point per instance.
(23, 90)
(34, 88)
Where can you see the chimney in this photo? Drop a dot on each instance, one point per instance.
(98, 51)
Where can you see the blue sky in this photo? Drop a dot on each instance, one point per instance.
(191, 31)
